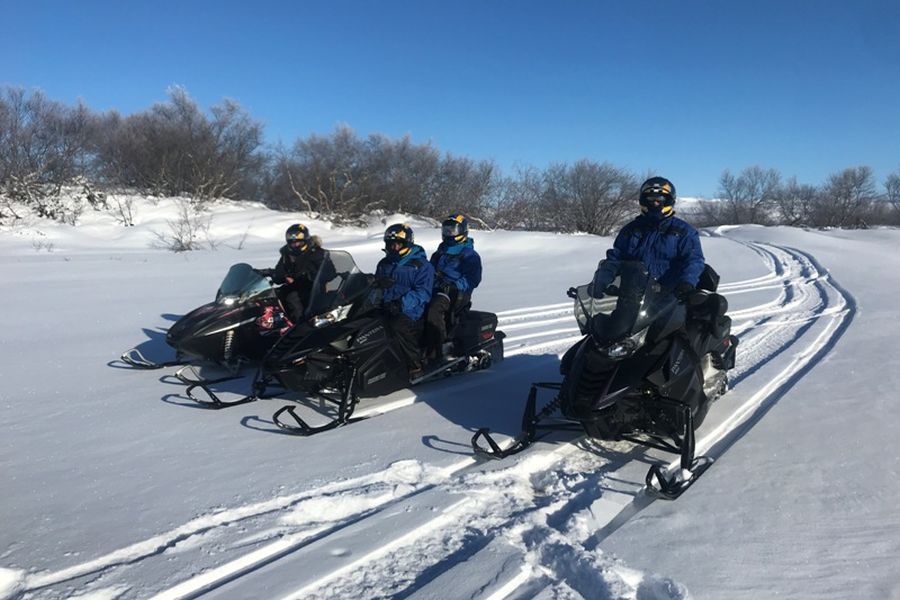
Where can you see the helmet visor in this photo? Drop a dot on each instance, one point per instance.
(656, 200)
(451, 229)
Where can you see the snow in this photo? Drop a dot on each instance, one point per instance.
(115, 485)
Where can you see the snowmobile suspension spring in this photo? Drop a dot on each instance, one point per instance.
(229, 340)
(550, 408)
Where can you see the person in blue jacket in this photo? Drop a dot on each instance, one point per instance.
(668, 246)
(406, 278)
(457, 268)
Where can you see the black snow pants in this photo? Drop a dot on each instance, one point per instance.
(407, 333)
(440, 311)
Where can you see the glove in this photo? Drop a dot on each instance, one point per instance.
(383, 283)
(393, 308)
(683, 290)
(443, 286)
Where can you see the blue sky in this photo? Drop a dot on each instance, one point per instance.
(684, 89)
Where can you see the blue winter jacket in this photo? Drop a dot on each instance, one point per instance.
(668, 246)
(458, 264)
(413, 279)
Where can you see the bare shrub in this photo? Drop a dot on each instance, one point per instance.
(516, 203)
(124, 210)
(846, 199)
(892, 190)
(188, 232)
(796, 203)
(39, 245)
(175, 149)
(749, 197)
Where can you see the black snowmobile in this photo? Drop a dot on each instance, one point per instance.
(646, 371)
(239, 326)
(351, 353)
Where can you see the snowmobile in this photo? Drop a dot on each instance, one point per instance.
(647, 369)
(239, 326)
(351, 353)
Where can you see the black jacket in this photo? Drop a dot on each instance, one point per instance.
(301, 267)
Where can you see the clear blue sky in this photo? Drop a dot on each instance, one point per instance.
(683, 88)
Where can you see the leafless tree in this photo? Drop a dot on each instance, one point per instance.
(796, 203)
(43, 146)
(175, 149)
(846, 199)
(751, 196)
(892, 189)
(589, 197)
(517, 199)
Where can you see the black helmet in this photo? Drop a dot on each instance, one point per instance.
(400, 232)
(297, 233)
(658, 195)
(455, 229)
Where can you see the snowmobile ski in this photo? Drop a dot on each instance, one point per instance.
(195, 379)
(213, 401)
(671, 487)
(134, 358)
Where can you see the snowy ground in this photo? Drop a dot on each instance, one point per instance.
(114, 485)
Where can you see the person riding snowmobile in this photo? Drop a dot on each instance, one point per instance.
(668, 246)
(406, 278)
(457, 269)
(300, 260)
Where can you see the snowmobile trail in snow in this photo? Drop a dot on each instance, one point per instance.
(550, 498)
(419, 530)
(822, 311)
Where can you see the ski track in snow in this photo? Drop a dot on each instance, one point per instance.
(556, 503)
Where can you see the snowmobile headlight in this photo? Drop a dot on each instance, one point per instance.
(228, 300)
(628, 346)
(338, 314)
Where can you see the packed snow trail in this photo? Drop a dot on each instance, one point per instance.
(809, 298)
(546, 512)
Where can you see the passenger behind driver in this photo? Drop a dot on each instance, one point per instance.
(409, 279)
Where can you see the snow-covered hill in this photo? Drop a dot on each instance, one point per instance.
(114, 485)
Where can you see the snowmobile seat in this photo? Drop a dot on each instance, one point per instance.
(709, 279)
(707, 320)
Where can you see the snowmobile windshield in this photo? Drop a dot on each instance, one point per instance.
(241, 283)
(339, 282)
(628, 306)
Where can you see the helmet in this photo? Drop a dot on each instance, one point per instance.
(297, 233)
(658, 196)
(400, 232)
(455, 229)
